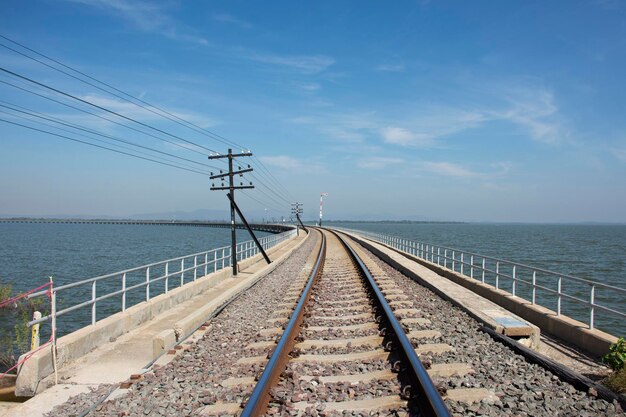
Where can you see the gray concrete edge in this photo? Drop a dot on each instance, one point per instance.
(76, 344)
(185, 327)
(475, 314)
(593, 342)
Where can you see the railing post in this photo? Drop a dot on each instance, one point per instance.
(462, 263)
(124, 291)
(206, 263)
(167, 276)
(93, 302)
(438, 257)
(147, 283)
(534, 286)
(432, 254)
(497, 274)
(558, 300)
(514, 282)
(472, 266)
(195, 267)
(215, 261)
(182, 272)
(483, 273)
(591, 309)
(453, 260)
(445, 258)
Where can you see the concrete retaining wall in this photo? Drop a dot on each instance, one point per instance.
(76, 344)
(593, 342)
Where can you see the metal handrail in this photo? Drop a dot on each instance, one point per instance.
(210, 261)
(480, 265)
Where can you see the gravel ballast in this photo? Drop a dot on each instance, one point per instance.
(193, 379)
(523, 389)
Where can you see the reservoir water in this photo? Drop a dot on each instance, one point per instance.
(29, 253)
(594, 252)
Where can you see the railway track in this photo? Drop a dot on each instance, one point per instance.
(343, 342)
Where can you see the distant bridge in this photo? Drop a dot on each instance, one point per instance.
(271, 228)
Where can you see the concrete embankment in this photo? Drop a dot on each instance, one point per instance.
(123, 344)
(458, 288)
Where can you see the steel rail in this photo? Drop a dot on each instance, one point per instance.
(420, 380)
(257, 403)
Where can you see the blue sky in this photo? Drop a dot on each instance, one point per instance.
(436, 110)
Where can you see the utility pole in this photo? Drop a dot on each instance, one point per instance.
(231, 197)
(322, 195)
(297, 210)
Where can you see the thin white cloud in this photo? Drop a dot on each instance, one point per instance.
(293, 165)
(344, 135)
(378, 162)
(306, 64)
(346, 127)
(390, 68)
(281, 161)
(130, 110)
(400, 136)
(536, 111)
(230, 19)
(147, 16)
(448, 169)
(310, 86)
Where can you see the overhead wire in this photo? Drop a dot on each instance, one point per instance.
(33, 113)
(170, 116)
(263, 171)
(82, 110)
(102, 147)
(63, 93)
(93, 139)
(102, 117)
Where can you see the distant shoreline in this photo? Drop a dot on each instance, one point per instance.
(165, 220)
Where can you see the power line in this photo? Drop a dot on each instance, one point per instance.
(101, 108)
(172, 117)
(102, 147)
(179, 120)
(101, 117)
(269, 172)
(89, 137)
(93, 132)
(264, 204)
(270, 189)
(121, 124)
